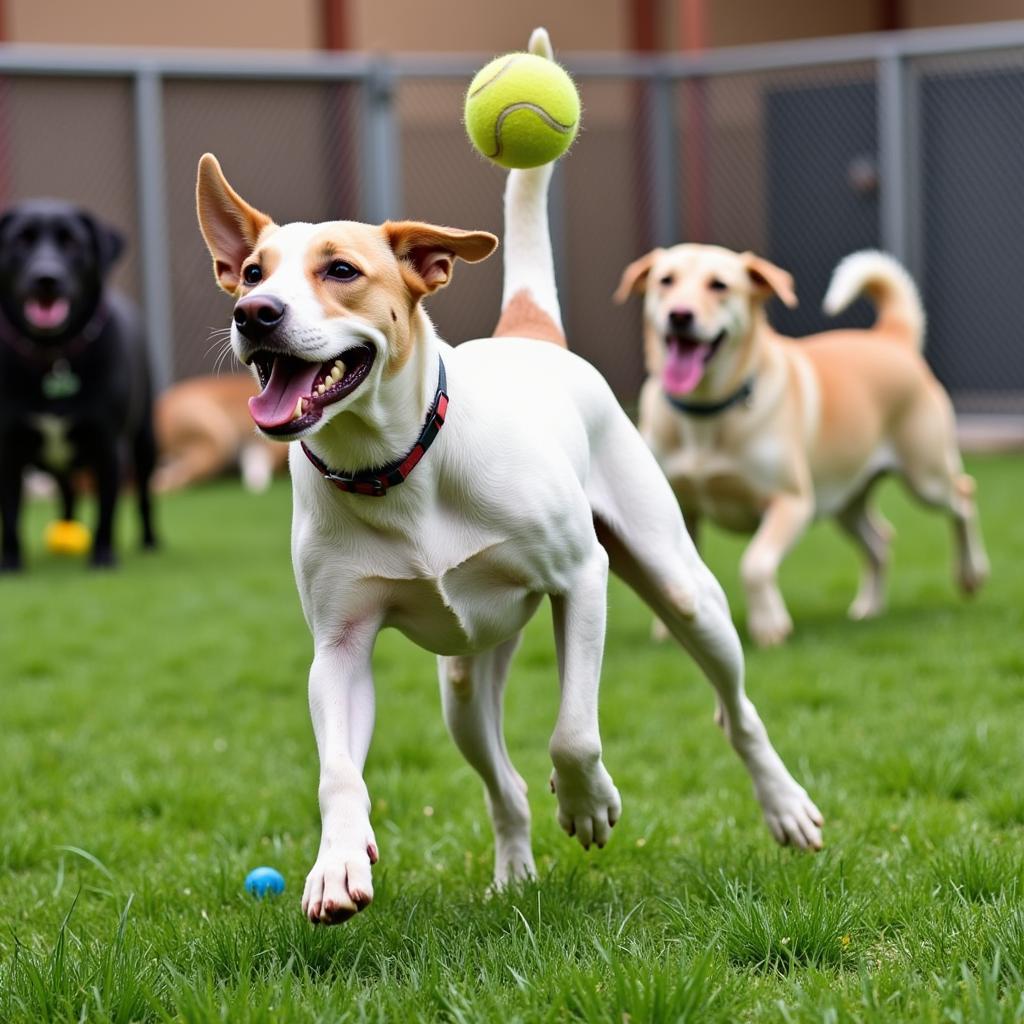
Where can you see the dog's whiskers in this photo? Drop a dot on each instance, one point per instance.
(220, 345)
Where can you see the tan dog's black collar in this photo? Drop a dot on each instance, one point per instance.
(742, 394)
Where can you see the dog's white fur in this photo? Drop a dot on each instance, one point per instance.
(499, 514)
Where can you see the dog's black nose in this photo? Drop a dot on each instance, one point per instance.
(257, 315)
(44, 284)
(680, 319)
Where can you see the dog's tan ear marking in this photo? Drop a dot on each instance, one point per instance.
(229, 224)
(770, 279)
(429, 252)
(634, 277)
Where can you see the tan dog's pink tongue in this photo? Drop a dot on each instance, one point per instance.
(683, 369)
(290, 380)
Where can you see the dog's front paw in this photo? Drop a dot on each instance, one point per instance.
(769, 622)
(791, 815)
(103, 557)
(588, 802)
(340, 883)
(10, 561)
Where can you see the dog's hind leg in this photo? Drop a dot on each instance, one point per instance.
(144, 457)
(472, 691)
(872, 533)
(650, 550)
(932, 469)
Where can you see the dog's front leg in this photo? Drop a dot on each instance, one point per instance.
(781, 526)
(588, 802)
(341, 702)
(10, 508)
(108, 481)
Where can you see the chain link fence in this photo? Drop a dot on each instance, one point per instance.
(802, 152)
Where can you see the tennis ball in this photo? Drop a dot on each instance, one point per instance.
(522, 110)
(66, 537)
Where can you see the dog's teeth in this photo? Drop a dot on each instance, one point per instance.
(298, 409)
(335, 373)
(321, 388)
(340, 365)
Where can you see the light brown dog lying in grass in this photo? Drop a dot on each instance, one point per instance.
(203, 429)
(762, 433)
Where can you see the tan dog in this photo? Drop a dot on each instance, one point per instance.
(203, 429)
(761, 433)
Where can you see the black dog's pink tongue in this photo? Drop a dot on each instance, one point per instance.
(290, 380)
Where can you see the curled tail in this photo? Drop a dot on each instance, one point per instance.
(886, 282)
(529, 304)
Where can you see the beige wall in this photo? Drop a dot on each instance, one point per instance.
(739, 22)
(486, 25)
(449, 25)
(924, 13)
(287, 24)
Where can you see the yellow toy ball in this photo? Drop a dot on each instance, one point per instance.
(522, 110)
(66, 537)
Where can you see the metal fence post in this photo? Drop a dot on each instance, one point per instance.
(153, 239)
(899, 200)
(664, 157)
(381, 171)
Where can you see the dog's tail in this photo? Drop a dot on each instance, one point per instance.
(529, 303)
(886, 282)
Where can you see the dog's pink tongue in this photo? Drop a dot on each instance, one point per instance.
(46, 316)
(290, 380)
(683, 369)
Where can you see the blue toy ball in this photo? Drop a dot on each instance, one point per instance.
(262, 882)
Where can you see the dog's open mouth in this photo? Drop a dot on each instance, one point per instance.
(686, 359)
(49, 314)
(296, 392)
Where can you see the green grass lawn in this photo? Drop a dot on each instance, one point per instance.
(155, 745)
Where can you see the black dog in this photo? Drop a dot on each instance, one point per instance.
(75, 388)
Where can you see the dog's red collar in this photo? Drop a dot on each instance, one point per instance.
(375, 482)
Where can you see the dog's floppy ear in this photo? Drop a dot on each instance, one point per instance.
(634, 277)
(107, 241)
(229, 224)
(427, 253)
(769, 279)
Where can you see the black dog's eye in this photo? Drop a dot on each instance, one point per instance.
(64, 238)
(252, 274)
(29, 236)
(667, 280)
(717, 286)
(342, 271)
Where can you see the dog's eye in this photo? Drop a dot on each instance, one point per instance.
(342, 271)
(252, 274)
(667, 280)
(28, 236)
(64, 238)
(717, 286)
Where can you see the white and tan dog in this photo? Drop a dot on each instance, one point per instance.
(761, 433)
(526, 485)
